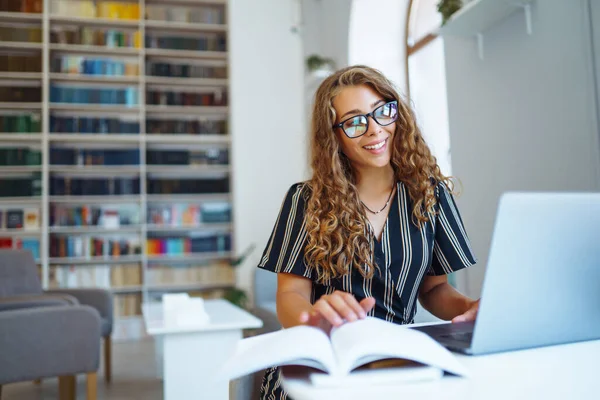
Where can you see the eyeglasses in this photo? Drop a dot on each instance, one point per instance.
(358, 125)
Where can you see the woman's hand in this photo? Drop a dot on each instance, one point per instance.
(334, 309)
(469, 315)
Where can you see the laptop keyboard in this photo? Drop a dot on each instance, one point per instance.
(459, 336)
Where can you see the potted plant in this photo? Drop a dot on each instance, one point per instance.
(320, 66)
(235, 295)
(447, 8)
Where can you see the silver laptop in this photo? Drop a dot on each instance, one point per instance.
(542, 283)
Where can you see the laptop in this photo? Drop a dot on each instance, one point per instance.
(542, 283)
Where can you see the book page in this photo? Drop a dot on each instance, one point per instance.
(371, 339)
(300, 345)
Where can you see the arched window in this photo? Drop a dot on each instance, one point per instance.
(427, 78)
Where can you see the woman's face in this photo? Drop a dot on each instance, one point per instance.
(374, 148)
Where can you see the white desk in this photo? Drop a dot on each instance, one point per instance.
(569, 371)
(192, 354)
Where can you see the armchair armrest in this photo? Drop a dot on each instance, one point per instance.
(33, 301)
(100, 299)
(48, 341)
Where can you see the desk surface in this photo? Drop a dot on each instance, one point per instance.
(223, 316)
(570, 371)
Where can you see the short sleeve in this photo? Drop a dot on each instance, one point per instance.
(285, 249)
(452, 248)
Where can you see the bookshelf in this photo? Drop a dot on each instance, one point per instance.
(115, 146)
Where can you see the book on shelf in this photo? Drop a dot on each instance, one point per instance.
(92, 186)
(181, 274)
(83, 156)
(81, 246)
(195, 243)
(80, 276)
(24, 185)
(96, 9)
(27, 218)
(127, 305)
(205, 14)
(64, 215)
(30, 244)
(95, 66)
(348, 354)
(60, 123)
(20, 156)
(21, 123)
(125, 275)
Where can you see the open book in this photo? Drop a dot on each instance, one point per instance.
(347, 348)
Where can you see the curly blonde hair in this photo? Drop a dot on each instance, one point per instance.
(338, 238)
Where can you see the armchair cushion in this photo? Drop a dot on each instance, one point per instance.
(100, 299)
(19, 302)
(48, 341)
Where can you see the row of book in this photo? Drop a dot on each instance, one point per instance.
(20, 63)
(206, 156)
(65, 186)
(182, 214)
(83, 124)
(95, 66)
(201, 14)
(128, 96)
(22, 186)
(30, 244)
(204, 41)
(108, 216)
(26, 219)
(171, 69)
(26, 6)
(127, 305)
(96, 9)
(187, 186)
(177, 98)
(104, 276)
(17, 34)
(176, 274)
(15, 94)
(93, 246)
(186, 125)
(79, 156)
(174, 246)
(87, 36)
(15, 156)
(21, 123)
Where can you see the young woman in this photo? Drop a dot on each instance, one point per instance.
(375, 228)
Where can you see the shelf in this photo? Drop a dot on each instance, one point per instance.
(20, 17)
(34, 76)
(20, 106)
(95, 260)
(161, 80)
(21, 200)
(184, 26)
(188, 2)
(193, 257)
(96, 79)
(187, 54)
(188, 139)
(478, 16)
(121, 109)
(112, 199)
(188, 110)
(19, 168)
(94, 229)
(204, 227)
(171, 198)
(21, 45)
(20, 232)
(21, 137)
(100, 22)
(127, 289)
(102, 170)
(190, 287)
(77, 48)
(93, 138)
(188, 169)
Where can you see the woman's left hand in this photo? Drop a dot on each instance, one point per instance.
(469, 315)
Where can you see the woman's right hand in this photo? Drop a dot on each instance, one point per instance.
(332, 310)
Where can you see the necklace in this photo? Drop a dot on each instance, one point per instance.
(384, 207)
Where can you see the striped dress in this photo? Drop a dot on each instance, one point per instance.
(405, 255)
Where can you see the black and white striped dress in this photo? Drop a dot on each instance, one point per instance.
(405, 254)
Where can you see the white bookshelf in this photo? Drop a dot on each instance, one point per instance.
(50, 21)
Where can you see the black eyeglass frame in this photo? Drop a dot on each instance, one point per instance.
(341, 124)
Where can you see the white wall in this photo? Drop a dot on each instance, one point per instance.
(523, 118)
(377, 37)
(267, 118)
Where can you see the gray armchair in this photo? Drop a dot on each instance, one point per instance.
(50, 341)
(20, 285)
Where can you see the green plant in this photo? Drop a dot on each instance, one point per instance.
(447, 8)
(315, 62)
(237, 297)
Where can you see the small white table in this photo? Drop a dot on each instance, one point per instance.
(569, 371)
(193, 354)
